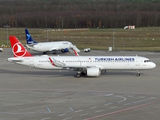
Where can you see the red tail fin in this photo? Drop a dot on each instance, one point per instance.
(17, 48)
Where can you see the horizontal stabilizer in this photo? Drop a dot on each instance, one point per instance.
(15, 59)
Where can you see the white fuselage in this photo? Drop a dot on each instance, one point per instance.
(50, 46)
(101, 62)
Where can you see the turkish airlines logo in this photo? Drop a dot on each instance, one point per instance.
(28, 36)
(18, 50)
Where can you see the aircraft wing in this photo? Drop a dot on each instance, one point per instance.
(75, 48)
(30, 46)
(75, 52)
(60, 64)
(15, 60)
(55, 62)
(52, 49)
(82, 67)
(77, 67)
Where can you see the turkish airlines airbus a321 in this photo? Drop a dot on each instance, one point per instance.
(85, 65)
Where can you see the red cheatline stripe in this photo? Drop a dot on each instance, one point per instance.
(123, 110)
(51, 61)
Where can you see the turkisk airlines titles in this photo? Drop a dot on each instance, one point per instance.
(85, 65)
(63, 46)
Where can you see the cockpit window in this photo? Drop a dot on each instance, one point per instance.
(147, 60)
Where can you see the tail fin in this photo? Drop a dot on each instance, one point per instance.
(17, 48)
(29, 38)
(75, 52)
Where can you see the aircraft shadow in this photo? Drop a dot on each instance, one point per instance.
(58, 73)
(118, 73)
(40, 73)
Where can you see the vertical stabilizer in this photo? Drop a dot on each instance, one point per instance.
(17, 48)
(29, 38)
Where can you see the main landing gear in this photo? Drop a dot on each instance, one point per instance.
(44, 52)
(138, 74)
(80, 73)
(62, 51)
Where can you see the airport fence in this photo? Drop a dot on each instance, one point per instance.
(95, 39)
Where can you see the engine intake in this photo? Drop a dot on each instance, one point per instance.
(65, 50)
(94, 71)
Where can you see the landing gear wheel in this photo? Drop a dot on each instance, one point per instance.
(54, 52)
(44, 52)
(138, 74)
(62, 50)
(83, 73)
(78, 75)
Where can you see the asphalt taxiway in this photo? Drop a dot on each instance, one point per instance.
(34, 94)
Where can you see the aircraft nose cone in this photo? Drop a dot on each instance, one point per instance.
(154, 65)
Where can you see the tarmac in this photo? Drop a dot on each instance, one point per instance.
(34, 94)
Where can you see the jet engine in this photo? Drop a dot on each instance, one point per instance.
(65, 50)
(93, 71)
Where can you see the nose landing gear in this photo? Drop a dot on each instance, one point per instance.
(138, 74)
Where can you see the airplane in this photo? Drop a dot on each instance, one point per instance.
(63, 46)
(85, 65)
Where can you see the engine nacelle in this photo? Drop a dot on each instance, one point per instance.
(65, 50)
(94, 71)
